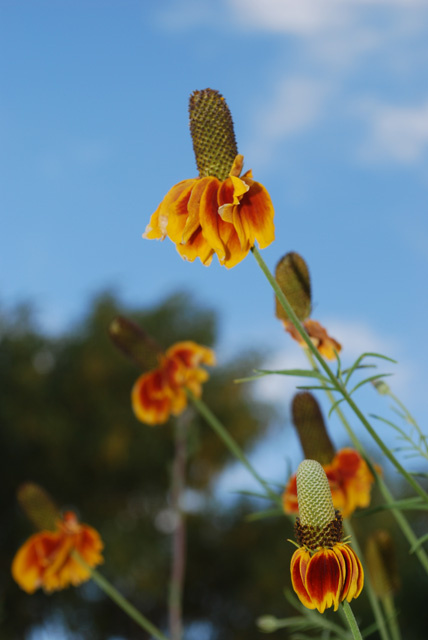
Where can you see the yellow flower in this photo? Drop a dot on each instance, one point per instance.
(324, 570)
(221, 211)
(162, 392)
(45, 560)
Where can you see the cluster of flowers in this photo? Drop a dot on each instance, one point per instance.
(223, 212)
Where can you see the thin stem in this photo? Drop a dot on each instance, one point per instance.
(231, 444)
(356, 633)
(121, 602)
(391, 615)
(374, 603)
(179, 535)
(339, 387)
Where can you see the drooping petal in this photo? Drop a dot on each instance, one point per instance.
(193, 209)
(151, 398)
(30, 561)
(191, 353)
(209, 217)
(157, 227)
(354, 575)
(323, 580)
(196, 247)
(299, 562)
(257, 213)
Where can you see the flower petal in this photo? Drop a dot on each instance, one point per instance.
(299, 562)
(324, 579)
(257, 213)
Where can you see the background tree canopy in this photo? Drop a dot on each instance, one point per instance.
(67, 424)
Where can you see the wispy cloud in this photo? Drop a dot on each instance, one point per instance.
(397, 133)
(295, 106)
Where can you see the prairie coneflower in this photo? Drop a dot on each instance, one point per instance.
(324, 570)
(162, 392)
(46, 559)
(161, 389)
(292, 275)
(221, 211)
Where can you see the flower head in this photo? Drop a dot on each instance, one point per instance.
(324, 570)
(162, 392)
(221, 212)
(292, 275)
(46, 559)
(350, 483)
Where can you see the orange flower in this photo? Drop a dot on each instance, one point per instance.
(350, 483)
(162, 392)
(221, 211)
(324, 570)
(203, 216)
(325, 344)
(45, 560)
(325, 577)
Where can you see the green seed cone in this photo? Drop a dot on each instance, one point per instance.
(212, 132)
(310, 426)
(292, 275)
(38, 506)
(314, 495)
(135, 343)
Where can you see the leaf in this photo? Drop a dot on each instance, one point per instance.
(418, 543)
(378, 376)
(261, 515)
(361, 358)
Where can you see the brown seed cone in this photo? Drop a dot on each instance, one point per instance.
(211, 127)
(38, 506)
(315, 537)
(311, 429)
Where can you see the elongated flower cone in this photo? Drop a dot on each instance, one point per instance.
(292, 275)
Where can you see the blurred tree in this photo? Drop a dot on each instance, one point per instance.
(67, 425)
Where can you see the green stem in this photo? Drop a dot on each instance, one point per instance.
(121, 602)
(387, 495)
(340, 388)
(231, 444)
(356, 633)
(391, 615)
(374, 602)
(178, 566)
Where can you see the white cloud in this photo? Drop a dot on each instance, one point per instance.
(302, 17)
(309, 17)
(356, 338)
(397, 133)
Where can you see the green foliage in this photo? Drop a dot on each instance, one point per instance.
(67, 424)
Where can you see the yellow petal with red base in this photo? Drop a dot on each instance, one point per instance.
(299, 563)
(324, 580)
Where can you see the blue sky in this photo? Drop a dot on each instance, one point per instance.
(330, 103)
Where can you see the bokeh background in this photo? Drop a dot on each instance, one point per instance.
(330, 103)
